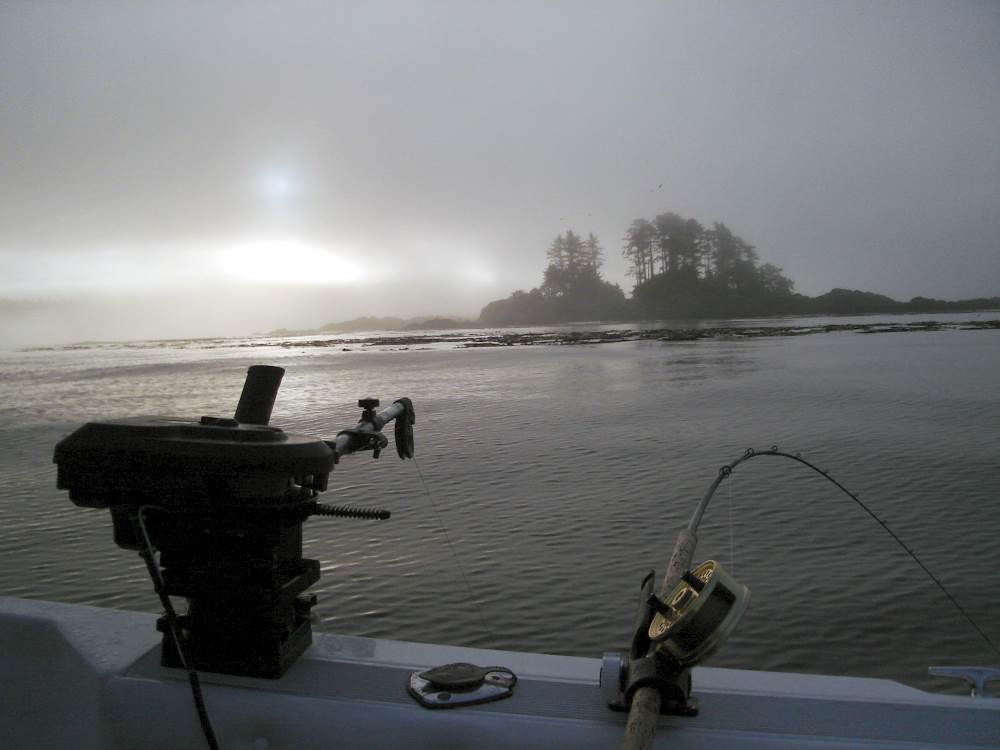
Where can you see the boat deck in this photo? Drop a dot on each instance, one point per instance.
(84, 677)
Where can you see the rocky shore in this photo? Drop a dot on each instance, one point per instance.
(478, 338)
(472, 340)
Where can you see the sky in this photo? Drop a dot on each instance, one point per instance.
(175, 169)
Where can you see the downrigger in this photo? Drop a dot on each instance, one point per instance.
(223, 501)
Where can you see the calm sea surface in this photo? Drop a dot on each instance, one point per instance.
(561, 474)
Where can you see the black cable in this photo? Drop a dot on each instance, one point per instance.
(147, 554)
(727, 470)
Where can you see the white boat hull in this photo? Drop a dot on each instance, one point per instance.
(82, 677)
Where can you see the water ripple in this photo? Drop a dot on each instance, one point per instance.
(562, 475)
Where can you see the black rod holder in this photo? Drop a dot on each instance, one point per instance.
(259, 391)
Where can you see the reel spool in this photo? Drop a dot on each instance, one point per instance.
(700, 614)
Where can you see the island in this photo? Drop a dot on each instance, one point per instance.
(683, 270)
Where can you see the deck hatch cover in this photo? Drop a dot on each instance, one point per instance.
(460, 684)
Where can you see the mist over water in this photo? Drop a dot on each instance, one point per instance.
(177, 169)
(563, 474)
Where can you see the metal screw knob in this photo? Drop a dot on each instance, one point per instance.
(367, 403)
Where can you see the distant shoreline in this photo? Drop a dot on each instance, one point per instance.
(532, 309)
(467, 339)
(835, 303)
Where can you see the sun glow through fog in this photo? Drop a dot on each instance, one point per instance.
(287, 262)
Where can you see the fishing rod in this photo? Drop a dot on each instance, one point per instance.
(652, 642)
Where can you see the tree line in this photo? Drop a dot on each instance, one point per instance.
(572, 289)
(572, 261)
(681, 269)
(683, 250)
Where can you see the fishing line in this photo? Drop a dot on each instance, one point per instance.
(732, 538)
(458, 563)
(147, 553)
(727, 470)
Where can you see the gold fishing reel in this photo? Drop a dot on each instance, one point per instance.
(700, 614)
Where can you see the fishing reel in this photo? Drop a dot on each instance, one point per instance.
(699, 615)
(673, 634)
(223, 500)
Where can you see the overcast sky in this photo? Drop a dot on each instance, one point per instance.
(176, 169)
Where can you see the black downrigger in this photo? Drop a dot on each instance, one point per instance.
(223, 500)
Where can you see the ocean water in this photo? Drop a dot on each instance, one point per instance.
(550, 479)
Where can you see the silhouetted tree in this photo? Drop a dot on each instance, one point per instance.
(556, 282)
(723, 255)
(692, 246)
(571, 289)
(638, 249)
(669, 239)
(573, 247)
(774, 282)
(557, 252)
(593, 253)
